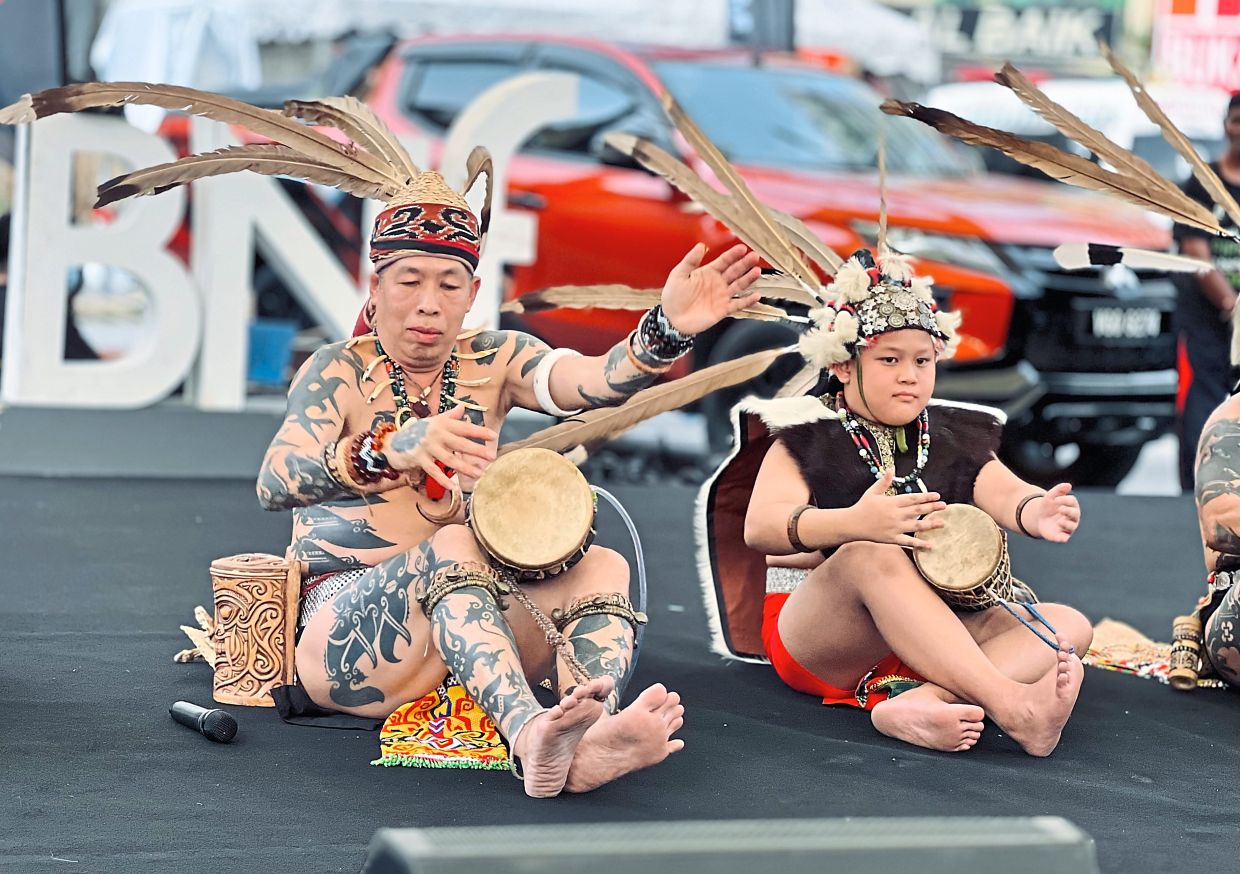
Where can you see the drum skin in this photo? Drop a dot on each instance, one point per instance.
(967, 550)
(533, 511)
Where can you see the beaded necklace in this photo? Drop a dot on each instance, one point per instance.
(861, 430)
(405, 409)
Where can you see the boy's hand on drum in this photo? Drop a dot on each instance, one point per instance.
(449, 438)
(1059, 514)
(884, 518)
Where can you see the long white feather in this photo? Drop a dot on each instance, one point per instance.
(1079, 256)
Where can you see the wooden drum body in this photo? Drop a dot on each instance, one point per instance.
(255, 624)
(533, 512)
(969, 565)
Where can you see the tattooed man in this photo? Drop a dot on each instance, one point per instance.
(1218, 510)
(394, 601)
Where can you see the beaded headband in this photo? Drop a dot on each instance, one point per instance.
(868, 300)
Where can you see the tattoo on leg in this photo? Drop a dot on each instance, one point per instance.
(1222, 638)
(480, 650)
(603, 643)
(370, 618)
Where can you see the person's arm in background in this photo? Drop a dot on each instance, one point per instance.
(1213, 285)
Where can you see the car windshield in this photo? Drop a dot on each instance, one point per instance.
(804, 119)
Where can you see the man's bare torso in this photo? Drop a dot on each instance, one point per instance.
(362, 531)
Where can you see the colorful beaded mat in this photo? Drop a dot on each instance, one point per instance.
(443, 729)
(1120, 647)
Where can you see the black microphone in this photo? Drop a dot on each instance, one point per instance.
(214, 725)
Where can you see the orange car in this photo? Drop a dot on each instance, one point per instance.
(1084, 360)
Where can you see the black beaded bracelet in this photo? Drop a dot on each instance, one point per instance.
(660, 339)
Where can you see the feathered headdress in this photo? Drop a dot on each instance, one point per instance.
(424, 215)
(871, 299)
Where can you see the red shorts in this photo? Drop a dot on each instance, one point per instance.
(874, 687)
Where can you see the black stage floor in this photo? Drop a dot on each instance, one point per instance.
(97, 575)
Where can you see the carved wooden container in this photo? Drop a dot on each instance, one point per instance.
(255, 623)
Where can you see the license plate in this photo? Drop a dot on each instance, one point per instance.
(1125, 323)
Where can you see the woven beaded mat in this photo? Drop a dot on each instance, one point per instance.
(443, 729)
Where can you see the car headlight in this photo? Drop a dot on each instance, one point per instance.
(967, 252)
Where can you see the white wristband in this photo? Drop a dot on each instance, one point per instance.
(542, 381)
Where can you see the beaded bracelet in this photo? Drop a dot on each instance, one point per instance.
(637, 363)
(659, 338)
(329, 466)
(340, 466)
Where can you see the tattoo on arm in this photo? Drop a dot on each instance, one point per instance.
(303, 481)
(293, 474)
(1218, 485)
(622, 380)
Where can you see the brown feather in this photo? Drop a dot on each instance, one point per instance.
(802, 381)
(804, 239)
(358, 122)
(1207, 177)
(1074, 128)
(619, 297)
(269, 160)
(719, 205)
(776, 286)
(477, 164)
(1070, 169)
(600, 425)
(264, 122)
(751, 210)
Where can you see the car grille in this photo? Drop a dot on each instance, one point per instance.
(1051, 322)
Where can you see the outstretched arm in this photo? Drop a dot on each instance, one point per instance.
(1051, 514)
(695, 297)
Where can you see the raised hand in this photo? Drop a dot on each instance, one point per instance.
(448, 438)
(1059, 514)
(884, 518)
(696, 295)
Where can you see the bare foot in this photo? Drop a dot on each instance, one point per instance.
(1038, 720)
(545, 746)
(929, 721)
(637, 737)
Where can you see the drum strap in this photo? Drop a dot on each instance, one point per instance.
(1037, 614)
(612, 603)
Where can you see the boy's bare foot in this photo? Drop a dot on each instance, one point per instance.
(546, 744)
(1037, 721)
(929, 721)
(637, 737)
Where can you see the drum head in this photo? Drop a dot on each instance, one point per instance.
(532, 509)
(967, 550)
